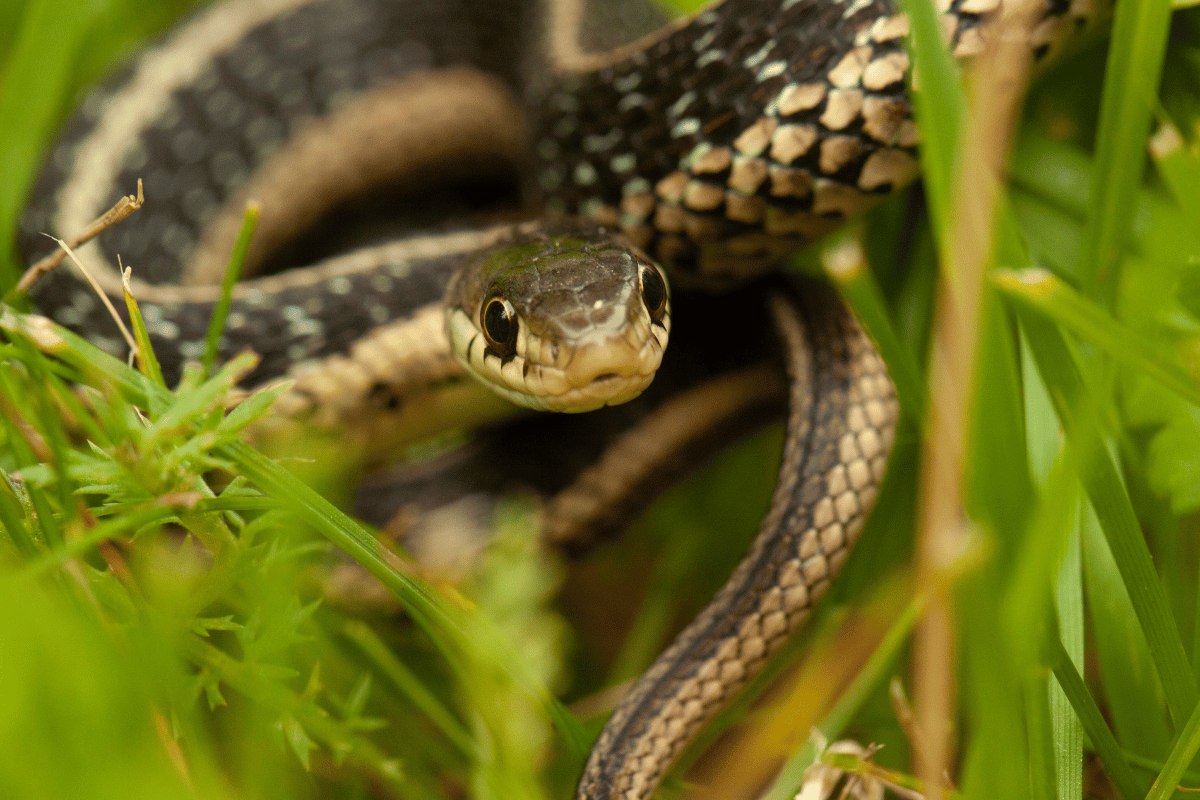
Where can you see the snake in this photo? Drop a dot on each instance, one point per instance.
(715, 145)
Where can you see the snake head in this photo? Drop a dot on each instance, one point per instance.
(561, 321)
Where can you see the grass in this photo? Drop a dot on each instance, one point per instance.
(136, 661)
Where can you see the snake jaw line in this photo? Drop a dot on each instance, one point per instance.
(605, 370)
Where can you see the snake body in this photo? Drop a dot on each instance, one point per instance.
(718, 145)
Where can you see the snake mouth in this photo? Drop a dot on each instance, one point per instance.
(583, 386)
(584, 377)
(600, 373)
(604, 390)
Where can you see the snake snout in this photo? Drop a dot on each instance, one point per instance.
(601, 362)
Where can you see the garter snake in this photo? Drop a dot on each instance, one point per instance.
(718, 145)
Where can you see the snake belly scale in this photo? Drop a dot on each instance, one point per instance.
(718, 145)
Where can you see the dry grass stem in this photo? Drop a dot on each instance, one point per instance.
(1000, 76)
(122, 209)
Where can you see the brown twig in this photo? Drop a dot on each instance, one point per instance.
(123, 208)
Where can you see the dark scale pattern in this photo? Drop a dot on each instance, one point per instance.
(968, 21)
(37, 218)
(287, 332)
(703, 84)
(674, 144)
(608, 139)
(213, 133)
(281, 75)
(282, 328)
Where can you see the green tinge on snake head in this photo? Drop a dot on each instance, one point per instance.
(559, 323)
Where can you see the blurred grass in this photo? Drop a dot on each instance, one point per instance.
(135, 663)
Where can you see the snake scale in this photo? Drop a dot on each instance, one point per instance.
(718, 145)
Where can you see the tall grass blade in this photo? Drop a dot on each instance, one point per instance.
(1110, 754)
(1135, 57)
(1049, 295)
(1104, 488)
(940, 105)
(1131, 686)
(233, 273)
(1182, 754)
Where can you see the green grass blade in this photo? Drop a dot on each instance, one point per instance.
(1115, 765)
(1068, 732)
(1040, 731)
(997, 756)
(1131, 687)
(1182, 753)
(56, 48)
(78, 353)
(998, 484)
(845, 263)
(1135, 58)
(232, 274)
(1042, 291)
(940, 106)
(33, 85)
(146, 358)
(1103, 485)
(1028, 597)
(1155, 767)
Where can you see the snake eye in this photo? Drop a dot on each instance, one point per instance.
(499, 323)
(654, 292)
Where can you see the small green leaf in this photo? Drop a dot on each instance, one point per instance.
(203, 625)
(147, 360)
(357, 700)
(233, 272)
(298, 739)
(250, 410)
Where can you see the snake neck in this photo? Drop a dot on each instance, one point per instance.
(723, 144)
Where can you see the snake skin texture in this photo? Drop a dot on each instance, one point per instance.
(841, 423)
(203, 113)
(251, 79)
(752, 130)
